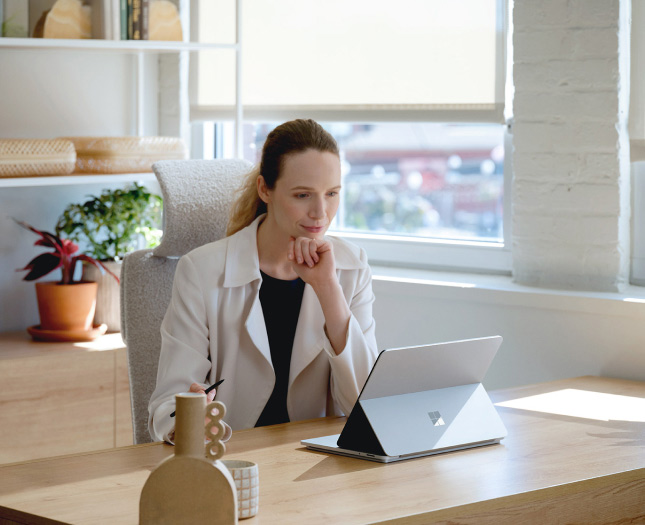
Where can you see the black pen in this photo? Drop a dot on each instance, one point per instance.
(206, 391)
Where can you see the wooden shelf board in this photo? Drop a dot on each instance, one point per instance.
(62, 180)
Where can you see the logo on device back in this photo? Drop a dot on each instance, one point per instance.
(436, 419)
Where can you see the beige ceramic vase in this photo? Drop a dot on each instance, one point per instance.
(108, 300)
(188, 487)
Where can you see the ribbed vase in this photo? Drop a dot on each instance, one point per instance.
(108, 305)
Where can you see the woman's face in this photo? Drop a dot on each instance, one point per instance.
(305, 197)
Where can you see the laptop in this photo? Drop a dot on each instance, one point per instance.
(421, 400)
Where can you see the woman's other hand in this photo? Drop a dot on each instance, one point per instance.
(196, 388)
(201, 389)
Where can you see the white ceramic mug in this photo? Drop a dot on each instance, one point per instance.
(247, 482)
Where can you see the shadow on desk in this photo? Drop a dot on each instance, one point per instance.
(331, 465)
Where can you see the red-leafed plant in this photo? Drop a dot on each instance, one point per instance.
(64, 256)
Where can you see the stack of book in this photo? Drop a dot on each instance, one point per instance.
(120, 19)
(137, 14)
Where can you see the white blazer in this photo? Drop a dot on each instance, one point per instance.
(214, 328)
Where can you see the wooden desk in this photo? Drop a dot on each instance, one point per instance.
(550, 469)
(62, 398)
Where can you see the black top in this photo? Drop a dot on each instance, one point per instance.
(281, 302)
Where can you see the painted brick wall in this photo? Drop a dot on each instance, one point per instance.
(570, 197)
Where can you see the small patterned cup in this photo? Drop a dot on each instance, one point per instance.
(247, 482)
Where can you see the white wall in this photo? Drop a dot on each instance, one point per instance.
(571, 180)
(547, 334)
(46, 95)
(40, 207)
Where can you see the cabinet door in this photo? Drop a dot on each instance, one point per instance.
(58, 398)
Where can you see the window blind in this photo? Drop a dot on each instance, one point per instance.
(354, 60)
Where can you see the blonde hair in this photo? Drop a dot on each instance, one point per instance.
(295, 136)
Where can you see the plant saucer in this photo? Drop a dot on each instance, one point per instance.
(38, 334)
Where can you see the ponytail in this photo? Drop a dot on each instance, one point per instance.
(248, 204)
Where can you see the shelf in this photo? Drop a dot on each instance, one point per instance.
(121, 46)
(62, 180)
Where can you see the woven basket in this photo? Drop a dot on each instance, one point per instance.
(124, 154)
(36, 157)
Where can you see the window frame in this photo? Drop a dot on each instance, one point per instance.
(637, 262)
(637, 147)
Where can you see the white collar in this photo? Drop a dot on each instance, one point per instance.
(243, 264)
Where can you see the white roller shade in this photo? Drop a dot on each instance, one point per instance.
(403, 59)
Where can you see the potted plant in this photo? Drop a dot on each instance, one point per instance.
(110, 225)
(66, 307)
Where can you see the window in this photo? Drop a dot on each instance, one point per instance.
(414, 93)
(638, 222)
(637, 143)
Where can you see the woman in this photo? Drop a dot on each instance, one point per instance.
(281, 312)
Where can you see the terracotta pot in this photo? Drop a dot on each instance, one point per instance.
(108, 304)
(66, 306)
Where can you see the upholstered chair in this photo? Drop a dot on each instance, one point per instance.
(197, 196)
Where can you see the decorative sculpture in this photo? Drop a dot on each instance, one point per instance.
(189, 487)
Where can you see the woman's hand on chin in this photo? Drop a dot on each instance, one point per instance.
(313, 260)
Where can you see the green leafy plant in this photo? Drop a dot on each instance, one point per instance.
(113, 223)
(11, 29)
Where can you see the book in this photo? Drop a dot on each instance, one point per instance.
(115, 20)
(136, 19)
(145, 19)
(100, 19)
(123, 12)
(129, 5)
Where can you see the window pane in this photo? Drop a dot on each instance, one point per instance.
(433, 180)
(427, 180)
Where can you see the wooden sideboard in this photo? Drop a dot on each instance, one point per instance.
(62, 398)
